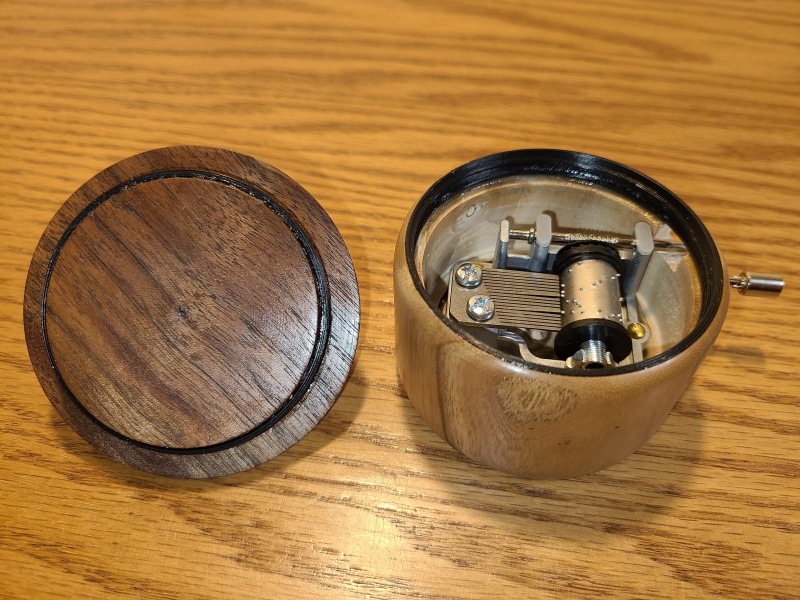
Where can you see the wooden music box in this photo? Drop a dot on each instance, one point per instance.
(194, 312)
(551, 307)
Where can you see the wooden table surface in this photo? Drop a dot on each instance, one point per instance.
(366, 105)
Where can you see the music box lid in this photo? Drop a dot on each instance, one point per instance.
(191, 312)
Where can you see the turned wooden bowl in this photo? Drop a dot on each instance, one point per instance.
(191, 312)
(532, 419)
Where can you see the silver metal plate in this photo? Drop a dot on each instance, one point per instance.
(522, 299)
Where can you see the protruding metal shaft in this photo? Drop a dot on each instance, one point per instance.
(751, 283)
(567, 237)
(595, 355)
(522, 234)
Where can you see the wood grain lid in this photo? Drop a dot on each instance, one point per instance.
(191, 312)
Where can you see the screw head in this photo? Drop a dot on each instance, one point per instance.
(469, 275)
(637, 331)
(480, 308)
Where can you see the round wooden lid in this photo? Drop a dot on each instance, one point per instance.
(191, 312)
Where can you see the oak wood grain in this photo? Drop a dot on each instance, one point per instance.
(366, 105)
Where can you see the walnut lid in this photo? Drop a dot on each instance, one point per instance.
(191, 312)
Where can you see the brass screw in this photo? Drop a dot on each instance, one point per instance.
(637, 331)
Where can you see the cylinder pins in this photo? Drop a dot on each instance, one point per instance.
(592, 333)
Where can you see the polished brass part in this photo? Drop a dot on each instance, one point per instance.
(637, 331)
